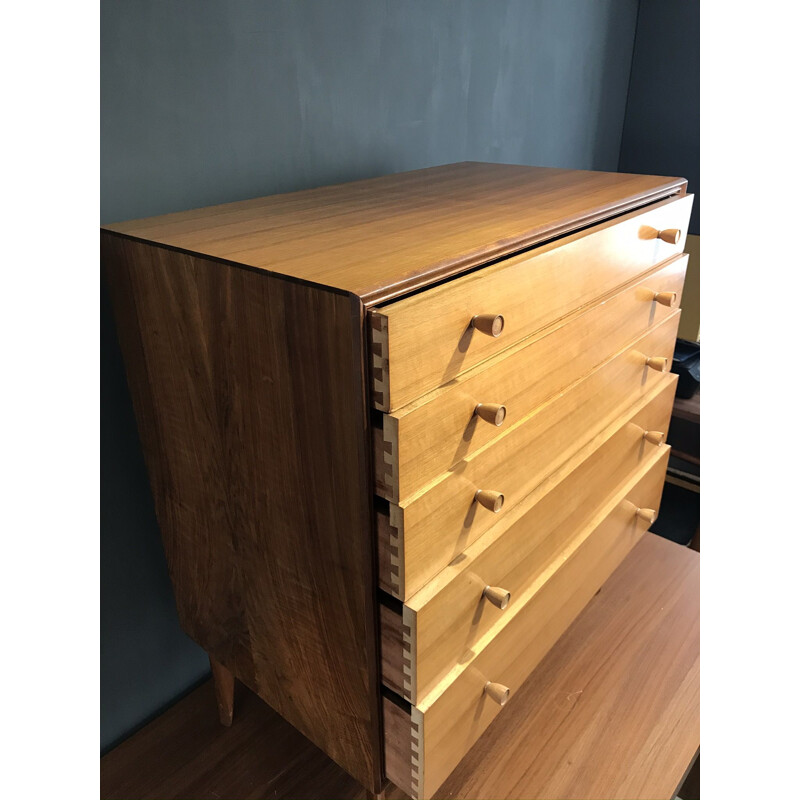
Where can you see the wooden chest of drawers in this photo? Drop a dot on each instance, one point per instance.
(399, 432)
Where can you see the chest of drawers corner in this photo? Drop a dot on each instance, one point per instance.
(399, 432)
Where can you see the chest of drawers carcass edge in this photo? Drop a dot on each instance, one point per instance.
(399, 431)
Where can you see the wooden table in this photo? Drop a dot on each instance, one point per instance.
(612, 711)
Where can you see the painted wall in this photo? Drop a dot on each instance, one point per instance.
(208, 101)
(662, 119)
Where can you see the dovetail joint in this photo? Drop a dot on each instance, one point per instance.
(379, 351)
(396, 554)
(417, 769)
(409, 655)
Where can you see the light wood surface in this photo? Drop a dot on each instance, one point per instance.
(493, 501)
(649, 515)
(430, 436)
(438, 524)
(669, 299)
(671, 235)
(443, 621)
(613, 711)
(497, 596)
(382, 237)
(456, 713)
(658, 363)
(493, 413)
(226, 369)
(252, 361)
(497, 692)
(630, 660)
(489, 324)
(430, 337)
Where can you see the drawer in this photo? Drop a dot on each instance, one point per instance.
(421, 537)
(428, 339)
(424, 439)
(424, 744)
(438, 626)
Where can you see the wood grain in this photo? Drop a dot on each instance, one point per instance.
(430, 338)
(398, 645)
(262, 501)
(421, 441)
(628, 665)
(439, 523)
(457, 712)
(629, 660)
(224, 689)
(445, 619)
(383, 237)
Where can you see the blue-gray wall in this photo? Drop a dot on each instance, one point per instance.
(212, 101)
(662, 121)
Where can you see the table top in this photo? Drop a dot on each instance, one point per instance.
(611, 712)
(382, 237)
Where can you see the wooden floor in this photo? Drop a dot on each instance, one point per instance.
(611, 712)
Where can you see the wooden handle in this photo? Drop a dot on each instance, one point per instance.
(668, 299)
(670, 235)
(649, 515)
(491, 500)
(657, 363)
(497, 596)
(490, 324)
(491, 412)
(654, 437)
(497, 692)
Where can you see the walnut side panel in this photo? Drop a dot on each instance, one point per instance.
(250, 398)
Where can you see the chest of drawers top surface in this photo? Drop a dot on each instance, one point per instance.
(383, 237)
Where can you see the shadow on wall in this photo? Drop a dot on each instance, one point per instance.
(144, 654)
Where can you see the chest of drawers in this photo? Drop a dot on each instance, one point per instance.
(399, 432)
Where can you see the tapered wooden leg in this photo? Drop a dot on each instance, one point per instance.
(224, 683)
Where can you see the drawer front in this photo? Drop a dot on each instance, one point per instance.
(423, 440)
(427, 339)
(434, 527)
(439, 625)
(439, 731)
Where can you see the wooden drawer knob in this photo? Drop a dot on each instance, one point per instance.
(649, 515)
(668, 299)
(491, 412)
(490, 324)
(657, 363)
(654, 437)
(491, 500)
(497, 692)
(497, 596)
(670, 235)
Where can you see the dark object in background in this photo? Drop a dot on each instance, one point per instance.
(679, 514)
(686, 365)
